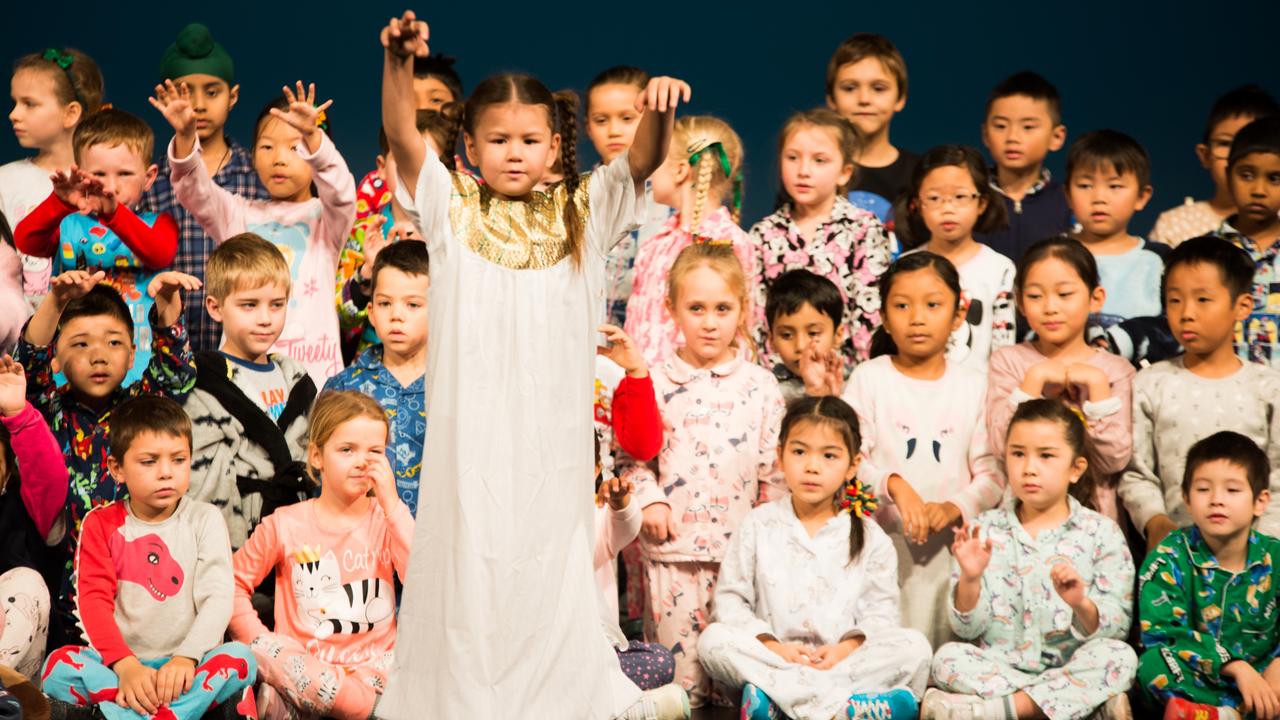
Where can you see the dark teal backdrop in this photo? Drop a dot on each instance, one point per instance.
(1149, 71)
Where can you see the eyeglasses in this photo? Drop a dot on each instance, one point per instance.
(932, 200)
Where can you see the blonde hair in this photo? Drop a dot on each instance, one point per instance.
(79, 82)
(692, 136)
(112, 127)
(244, 262)
(719, 257)
(335, 407)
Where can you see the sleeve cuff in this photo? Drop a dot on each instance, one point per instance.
(650, 494)
(185, 163)
(309, 157)
(1102, 409)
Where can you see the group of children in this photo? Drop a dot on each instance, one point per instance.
(216, 409)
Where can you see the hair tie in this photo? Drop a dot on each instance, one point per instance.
(64, 61)
(858, 499)
(695, 154)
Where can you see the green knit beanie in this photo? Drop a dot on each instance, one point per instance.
(195, 53)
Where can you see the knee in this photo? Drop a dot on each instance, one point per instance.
(947, 655)
(1158, 669)
(24, 588)
(233, 659)
(712, 639)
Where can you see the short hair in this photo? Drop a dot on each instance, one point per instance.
(1259, 136)
(794, 289)
(1235, 267)
(619, 75)
(101, 300)
(142, 414)
(79, 81)
(864, 45)
(244, 262)
(1028, 84)
(1244, 101)
(1109, 147)
(1235, 449)
(408, 256)
(112, 127)
(440, 67)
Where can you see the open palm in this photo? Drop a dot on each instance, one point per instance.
(13, 387)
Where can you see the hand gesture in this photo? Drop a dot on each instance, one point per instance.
(174, 102)
(793, 653)
(826, 657)
(971, 551)
(97, 199)
(915, 522)
(1068, 584)
(381, 480)
(1046, 379)
(406, 36)
(1260, 699)
(374, 241)
(303, 114)
(71, 187)
(822, 373)
(615, 492)
(166, 288)
(1086, 383)
(174, 678)
(74, 284)
(622, 350)
(13, 387)
(663, 94)
(658, 525)
(942, 515)
(137, 686)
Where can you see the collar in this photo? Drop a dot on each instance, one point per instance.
(681, 372)
(370, 359)
(782, 373)
(789, 512)
(267, 366)
(1202, 556)
(841, 211)
(1039, 185)
(1228, 232)
(1075, 511)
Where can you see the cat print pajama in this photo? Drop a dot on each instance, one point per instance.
(312, 687)
(25, 623)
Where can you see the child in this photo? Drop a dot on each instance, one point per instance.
(250, 407)
(1208, 597)
(203, 65)
(1108, 181)
(1044, 585)
(867, 85)
(83, 330)
(1229, 113)
(720, 419)
(504, 448)
(817, 228)
(334, 633)
(702, 169)
(805, 315)
(1177, 402)
(1253, 174)
(435, 82)
(949, 200)
(52, 92)
(924, 436)
(87, 221)
(806, 611)
(1023, 125)
(308, 216)
(13, 308)
(153, 587)
(394, 373)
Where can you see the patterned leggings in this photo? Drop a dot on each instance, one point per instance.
(25, 624)
(297, 684)
(649, 665)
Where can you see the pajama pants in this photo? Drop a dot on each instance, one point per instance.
(1096, 671)
(25, 625)
(311, 687)
(677, 608)
(924, 574)
(76, 675)
(890, 658)
(648, 665)
(1164, 673)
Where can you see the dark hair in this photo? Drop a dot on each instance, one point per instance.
(1245, 101)
(1109, 147)
(1235, 267)
(407, 256)
(865, 45)
(146, 413)
(794, 289)
(6, 233)
(567, 116)
(618, 75)
(1028, 84)
(914, 233)
(441, 124)
(1065, 248)
(440, 67)
(834, 413)
(1259, 136)
(79, 81)
(1077, 437)
(101, 300)
(881, 342)
(1233, 448)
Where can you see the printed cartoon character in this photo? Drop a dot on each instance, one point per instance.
(146, 561)
(333, 606)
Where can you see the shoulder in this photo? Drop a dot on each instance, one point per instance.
(293, 370)
(202, 514)
(757, 375)
(1115, 367)
(1259, 374)
(1157, 374)
(1013, 357)
(104, 518)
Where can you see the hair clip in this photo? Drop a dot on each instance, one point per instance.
(63, 60)
(322, 121)
(858, 499)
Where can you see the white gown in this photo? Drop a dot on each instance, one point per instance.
(499, 616)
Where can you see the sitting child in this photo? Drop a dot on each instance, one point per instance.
(153, 588)
(1208, 598)
(249, 407)
(805, 315)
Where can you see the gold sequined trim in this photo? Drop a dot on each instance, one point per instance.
(516, 234)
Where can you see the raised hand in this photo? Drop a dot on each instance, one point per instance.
(616, 492)
(622, 350)
(374, 241)
(971, 551)
(174, 102)
(13, 387)
(167, 289)
(821, 373)
(1068, 584)
(382, 480)
(71, 187)
(663, 94)
(406, 36)
(74, 284)
(304, 114)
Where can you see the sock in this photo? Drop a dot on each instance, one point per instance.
(1000, 708)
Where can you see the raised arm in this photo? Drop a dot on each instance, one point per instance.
(404, 39)
(658, 102)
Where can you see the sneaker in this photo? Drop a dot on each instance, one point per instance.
(669, 702)
(897, 704)
(59, 710)
(757, 706)
(1179, 709)
(939, 705)
(1116, 708)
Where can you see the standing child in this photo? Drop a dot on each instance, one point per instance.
(153, 588)
(203, 65)
(948, 201)
(335, 560)
(924, 435)
(806, 611)
(816, 228)
(702, 169)
(720, 419)
(308, 216)
(1023, 124)
(1044, 585)
(1194, 218)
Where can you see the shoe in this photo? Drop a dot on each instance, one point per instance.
(757, 706)
(897, 704)
(669, 702)
(939, 705)
(59, 710)
(1179, 709)
(1116, 708)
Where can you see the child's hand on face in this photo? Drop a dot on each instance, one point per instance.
(97, 199)
(174, 102)
(137, 686)
(13, 387)
(971, 551)
(663, 94)
(74, 284)
(616, 492)
(406, 36)
(623, 351)
(174, 678)
(382, 480)
(658, 525)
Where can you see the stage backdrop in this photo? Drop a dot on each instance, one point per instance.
(1152, 73)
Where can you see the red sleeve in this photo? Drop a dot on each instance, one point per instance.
(96, 583)
(155, 245)
(37, 233)
(636, 422)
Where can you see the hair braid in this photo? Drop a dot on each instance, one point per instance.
(701, 186)
(451, 114)
(567, 124)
